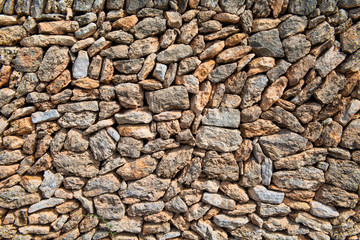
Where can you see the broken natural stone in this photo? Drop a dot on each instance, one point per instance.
(218, 139)
(150, 188)
(222, 117)
(174, 53)
(137, 169)
(252, 90)
(350, 137)
(83, 165)
(54, 62)
(267, 44)
(309, 178)
(222, 167)
(103, 184)
(167, 99)
(174, 161)
(102, 145)
(274, 145)
(130, 95)
(260, 193)
(109, 206)
(219, 201)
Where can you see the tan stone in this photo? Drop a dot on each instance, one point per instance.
(58, 27)
(125, 23)
(232, 54)
(235, 39)
(273, 93)
(259, 65)
(212, 50)
(86, 83)
(5, 73)
(59, 83)
(20, 127)
(263, 24)
(260, 127)
(137, 169)
(204, 69)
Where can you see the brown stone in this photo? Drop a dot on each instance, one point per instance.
(137, 169)
(258, 128)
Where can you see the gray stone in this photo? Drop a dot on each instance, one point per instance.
(312, 222)
(174, 161)
(145, 208)
(43, 204)
(129, 147)
(50, 183)
(222, 72)
(221, 117)
(83, 6)
(174, 53)
(150, 188)
(218, 139)
(112, 163)
(218, 200)
(267, 44)
(230, 222)
(8, 157)
(102, 184)
(296, 47)
(132, 66)
(306, 158)
(120, 37)
(253, 88)
(320, 33)
(75, 141)
(188, 31)
(82, 165)
(54, 62)
(81, 64)
(143, 47)
(282, 144)
(172, 98)
(260, 193)
(343, 174)
(337, 197)
(321, 210)
(333, 83)
(330, 60)
(134, 116)
(48, 115)
(221, 167)
(292, 25)
(115, 52)
(109, 207)
(16, 197)
(102, 145)
(78, 120)
(302, 8)
(346, 114)
(308, 178)
(79, 107)
(176, 205)
(284, 118)
(149, 27)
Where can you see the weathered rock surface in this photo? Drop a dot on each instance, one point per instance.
(179, 119)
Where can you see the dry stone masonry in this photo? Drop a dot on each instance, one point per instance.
(179, 119)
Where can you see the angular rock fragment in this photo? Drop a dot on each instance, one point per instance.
(218, 139)
(172, 98)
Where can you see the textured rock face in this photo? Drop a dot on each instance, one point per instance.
(179, 119)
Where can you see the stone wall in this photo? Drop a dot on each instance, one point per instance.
(179, 119)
